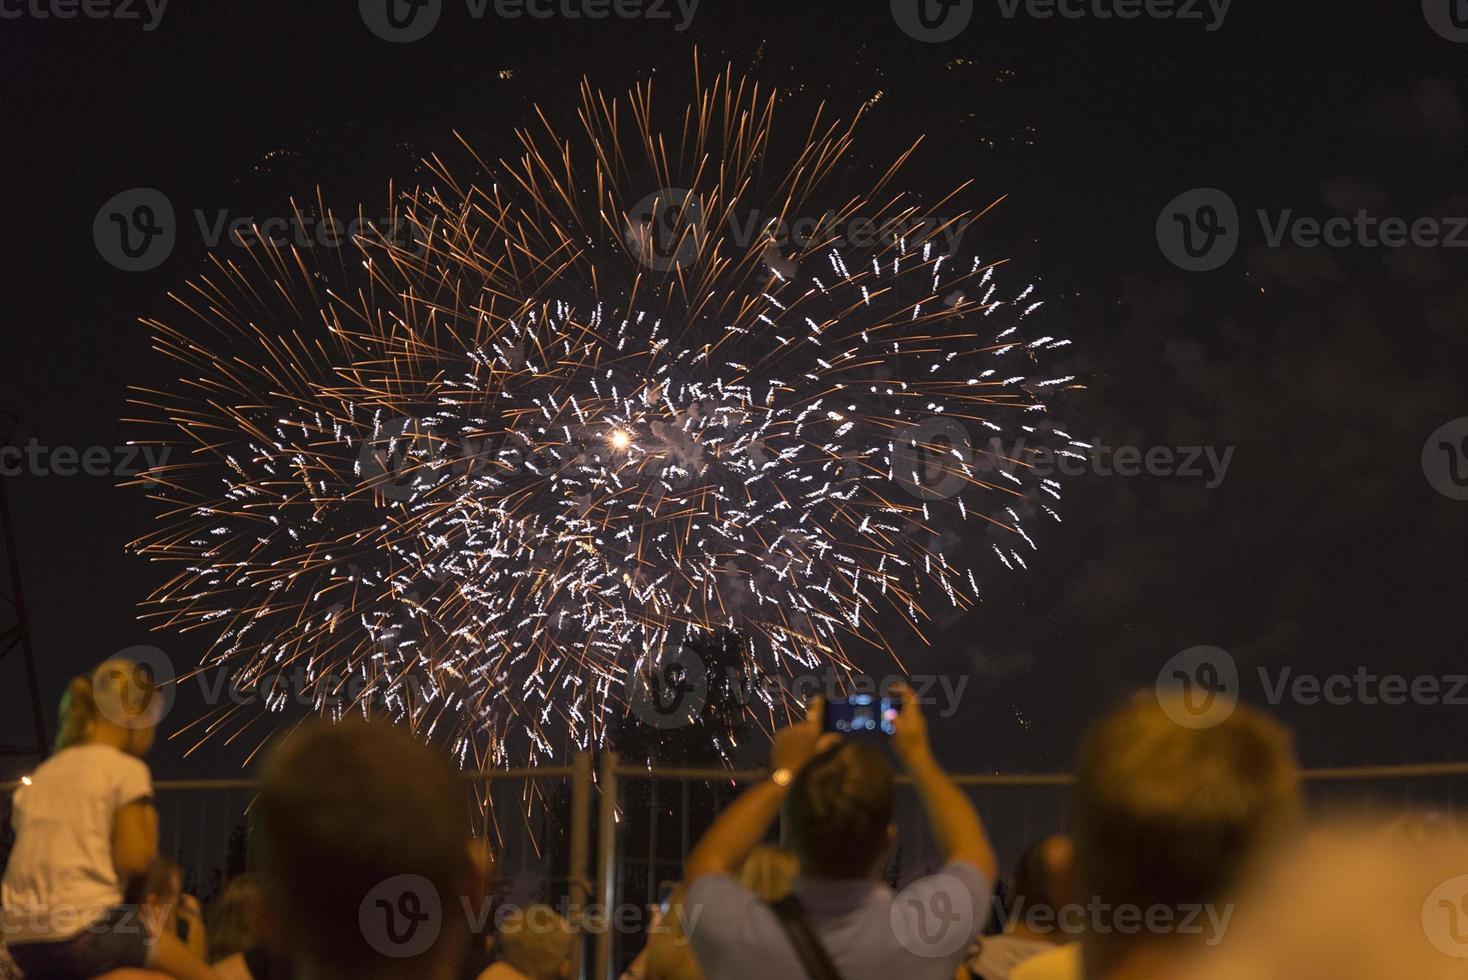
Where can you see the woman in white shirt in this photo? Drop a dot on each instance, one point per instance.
(84, 825)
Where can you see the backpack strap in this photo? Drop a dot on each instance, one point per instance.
(807, 944)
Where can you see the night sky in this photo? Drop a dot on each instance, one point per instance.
(1324, 549)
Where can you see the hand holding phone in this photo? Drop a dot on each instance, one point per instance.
(911, 738)
(862, 714)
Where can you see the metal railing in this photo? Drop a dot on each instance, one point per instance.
(1017, 809)
(643, 841)
(204, 827)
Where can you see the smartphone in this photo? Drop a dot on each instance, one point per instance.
(861, 714)
(665, 895)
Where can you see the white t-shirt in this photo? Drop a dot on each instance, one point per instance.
(61, 877)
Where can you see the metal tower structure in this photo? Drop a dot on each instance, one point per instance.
(15, 634)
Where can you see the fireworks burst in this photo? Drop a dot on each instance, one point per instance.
(485, 475)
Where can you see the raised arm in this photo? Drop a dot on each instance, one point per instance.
(743, 823)
(955, 821)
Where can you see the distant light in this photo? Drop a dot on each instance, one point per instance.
(621, 440)
(25, 780)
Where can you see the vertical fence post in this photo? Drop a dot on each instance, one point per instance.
(683, 834)
(579, 887)
(198, 869)
(652, 846)
(606, 864)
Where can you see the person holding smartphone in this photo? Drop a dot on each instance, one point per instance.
(840, 919)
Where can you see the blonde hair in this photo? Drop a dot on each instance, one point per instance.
(77, 714)
(234, 918)
(537, 942)
(1164, 814)
(117, 681)
(1352, 902)
(768, 872)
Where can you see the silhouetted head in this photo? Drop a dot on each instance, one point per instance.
(363, 831)
(840, 810)
(117, 704)
(1042, 878)
(1169, 815)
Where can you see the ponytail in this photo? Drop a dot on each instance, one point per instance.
(118, 691)
(78, 712)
